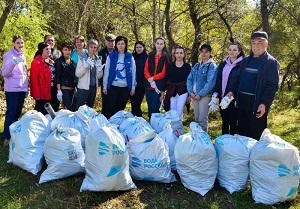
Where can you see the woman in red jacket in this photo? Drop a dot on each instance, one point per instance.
(42, 79)
(155, 71)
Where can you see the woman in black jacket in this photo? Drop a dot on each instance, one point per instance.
(176, 77)
(65, 76)
(226, 70)
(140, 56)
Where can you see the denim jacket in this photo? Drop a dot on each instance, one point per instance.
(202, 78)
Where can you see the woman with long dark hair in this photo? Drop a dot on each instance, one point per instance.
(119, 77)
(155, 72)
(14, 71)
(226, 71)
(177, 73)
(140, 56)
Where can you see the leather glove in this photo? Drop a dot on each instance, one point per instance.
(17, 60)
(59, 95)
(225, 102)
(214, 103)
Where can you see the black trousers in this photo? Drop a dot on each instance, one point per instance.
(86, 97)
(39, 104)
(229, 119)
(116, 100)
(136, 101)
(68, 98)
(248, 124)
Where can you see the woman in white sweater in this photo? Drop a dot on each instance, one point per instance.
(89, 69)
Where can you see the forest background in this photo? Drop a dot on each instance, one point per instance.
(188, 23)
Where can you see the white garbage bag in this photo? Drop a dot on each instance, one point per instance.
(68, 119)
(64, 155)
(85, 113)
(97, 121)
(120, 116)
(26, 148)
(159, 120)
(274, 170)
(170, 138)
(233, 155)
(107, 161)
(137, 127)
(196, 160)
(149, 159)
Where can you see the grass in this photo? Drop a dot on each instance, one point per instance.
(20, 189)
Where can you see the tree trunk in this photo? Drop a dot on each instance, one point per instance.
(265, 16)
(172, 43)
(135, 25)
(197, 27)
(154, 21)
(6, 12)
(82, 11)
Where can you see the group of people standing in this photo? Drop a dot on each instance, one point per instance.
(246, 86)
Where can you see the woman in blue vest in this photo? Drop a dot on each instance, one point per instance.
(119, 78)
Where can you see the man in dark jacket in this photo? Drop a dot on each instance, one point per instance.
(51, 41)
(256, 85)
(109, 47)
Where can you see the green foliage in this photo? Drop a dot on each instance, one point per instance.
(27, 20)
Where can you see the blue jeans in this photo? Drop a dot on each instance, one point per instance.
(14, 105)
(153, 102)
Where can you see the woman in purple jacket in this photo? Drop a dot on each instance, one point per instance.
(14, 71)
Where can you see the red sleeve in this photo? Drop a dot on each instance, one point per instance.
(34, 80)
(160, 75)
(146, 70)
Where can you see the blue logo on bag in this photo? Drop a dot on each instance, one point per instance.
(292, 191)
(13, 145)
(136, 162)
(85, 112)
(283, 170)
(103, 148)
(205, 138)
(220, 141)
(117, 149)
(17, 129)
(114, 170)
(148, 140)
